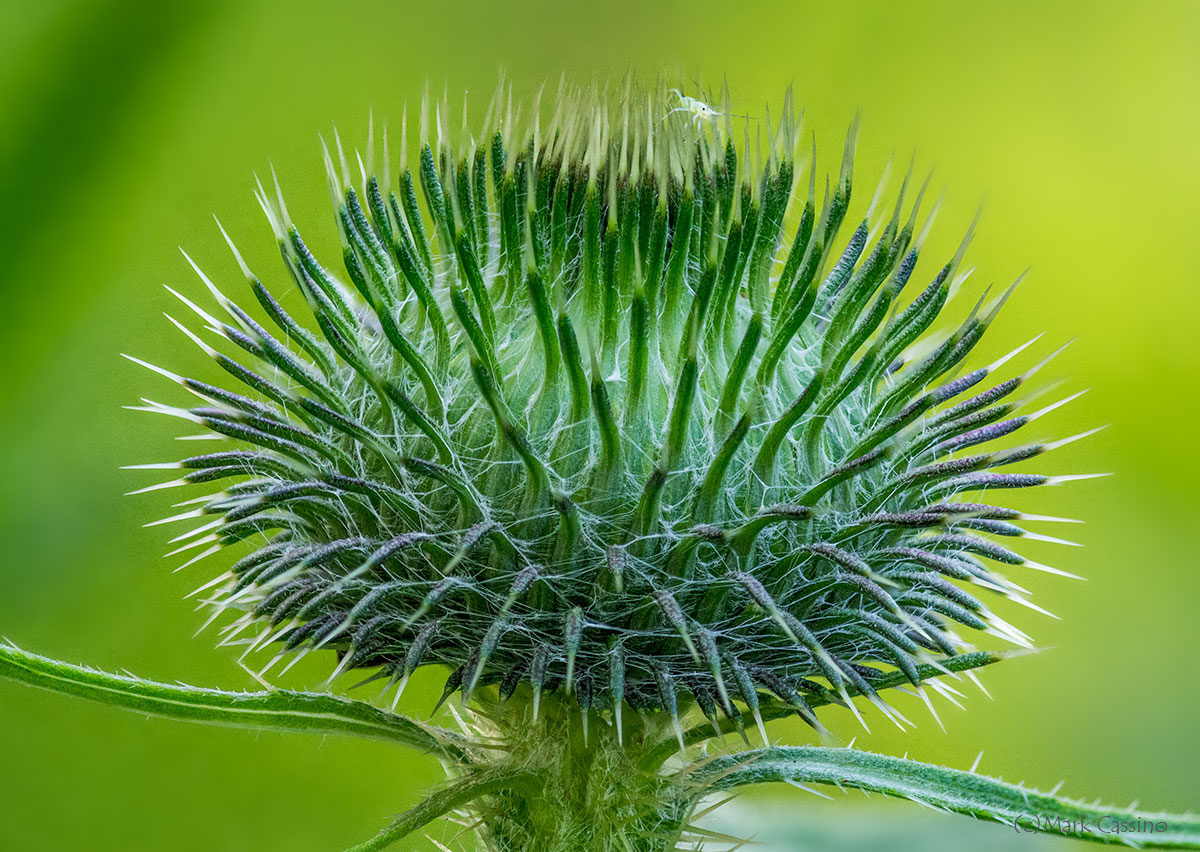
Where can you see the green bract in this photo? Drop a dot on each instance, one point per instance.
(612, 407)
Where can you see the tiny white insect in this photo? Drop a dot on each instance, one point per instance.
(697, 110)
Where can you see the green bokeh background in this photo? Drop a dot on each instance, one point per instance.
(126, 126)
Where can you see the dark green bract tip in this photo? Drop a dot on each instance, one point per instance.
(598, 407)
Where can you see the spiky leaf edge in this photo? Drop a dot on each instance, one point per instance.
(954, 790)
(278, 710)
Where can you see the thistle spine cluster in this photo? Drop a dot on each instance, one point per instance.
(602, 409)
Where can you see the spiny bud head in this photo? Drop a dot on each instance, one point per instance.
(606, 406)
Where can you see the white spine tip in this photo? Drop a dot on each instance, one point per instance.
(1076, 477)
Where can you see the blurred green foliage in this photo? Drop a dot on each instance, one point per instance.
(127, 125)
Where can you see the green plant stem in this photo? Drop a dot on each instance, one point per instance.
(274, 710)
(592, 795)
(951, 790)
(443, 801)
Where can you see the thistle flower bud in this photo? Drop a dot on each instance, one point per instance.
(599, 408)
